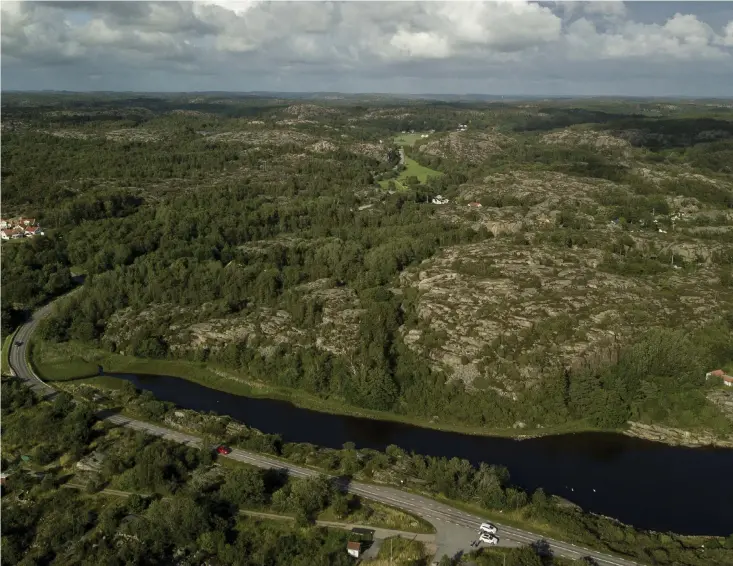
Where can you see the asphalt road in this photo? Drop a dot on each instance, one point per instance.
(455, 529)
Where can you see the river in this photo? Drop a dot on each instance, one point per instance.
(645, 484)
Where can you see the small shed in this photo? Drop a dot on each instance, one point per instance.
(353, 548)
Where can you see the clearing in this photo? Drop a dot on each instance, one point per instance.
(409, 139)
(412, 169)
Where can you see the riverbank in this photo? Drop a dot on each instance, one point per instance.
(675, 436)
(552, 517)
(72, 361)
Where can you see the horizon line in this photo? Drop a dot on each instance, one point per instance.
(369, 93)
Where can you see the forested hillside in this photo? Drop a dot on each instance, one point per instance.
(579, 275)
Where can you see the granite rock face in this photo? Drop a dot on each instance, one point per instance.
(676, 436)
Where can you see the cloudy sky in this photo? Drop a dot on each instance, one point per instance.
(505, 47)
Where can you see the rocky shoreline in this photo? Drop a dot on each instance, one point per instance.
(676, 436)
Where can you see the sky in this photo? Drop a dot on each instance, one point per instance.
(510, 47)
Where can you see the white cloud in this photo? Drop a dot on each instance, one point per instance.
(420, 44)
(471, 40)
(727, 38)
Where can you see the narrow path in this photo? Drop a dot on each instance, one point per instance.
(379, 532)
(455, 529)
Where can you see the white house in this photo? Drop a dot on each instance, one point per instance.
(440, 200)
(31, 231)
(353, 548)
(11, 233)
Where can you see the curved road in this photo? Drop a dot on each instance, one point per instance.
(455, 529)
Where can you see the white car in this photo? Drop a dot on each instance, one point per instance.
(489, 539)
(487, 528)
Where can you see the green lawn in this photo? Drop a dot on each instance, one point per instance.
(412, 169)
(408, 139)
(61, 362)
(402, 552)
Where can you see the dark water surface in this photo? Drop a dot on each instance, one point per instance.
(645, 484)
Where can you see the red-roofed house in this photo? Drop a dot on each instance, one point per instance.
(11, 233)
(27, 221)
(727, 379)
(475, 204)
(353, 548)
(33, 231)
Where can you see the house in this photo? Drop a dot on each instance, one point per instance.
(4, 223)
(11, 233)
(440, 200)
(727, 379)
(353, 548)
(475, 204)
(26, 221)
(33, 231)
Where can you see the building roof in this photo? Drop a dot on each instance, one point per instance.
(728, 378)
(717, 373)
(353, 545)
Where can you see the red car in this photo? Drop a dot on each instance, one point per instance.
(224, 450)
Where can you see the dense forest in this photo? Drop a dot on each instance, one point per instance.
(229, 212)
(182, 514)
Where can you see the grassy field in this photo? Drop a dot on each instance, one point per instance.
(62, 362)
(412, 169)
(408, 139)
(384, 516)
(6, 353)
(397, 551)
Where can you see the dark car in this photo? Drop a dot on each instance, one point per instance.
(19, 343)
(224, 450)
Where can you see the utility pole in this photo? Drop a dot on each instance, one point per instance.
(390, 552)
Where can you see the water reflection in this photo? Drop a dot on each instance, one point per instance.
(646, 484)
